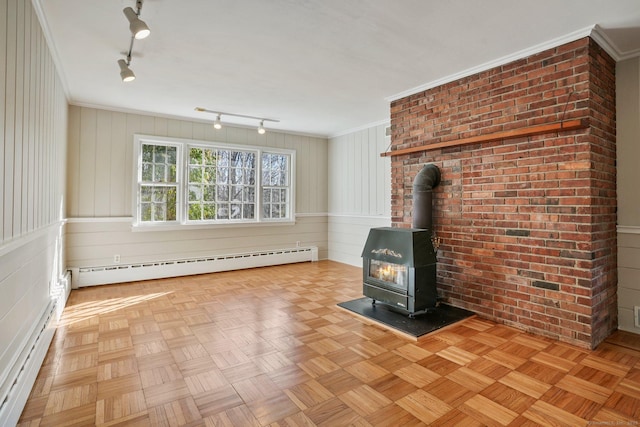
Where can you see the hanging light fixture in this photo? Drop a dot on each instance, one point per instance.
(138, 27)
(217, 124)
(139, 30)
(126, 74)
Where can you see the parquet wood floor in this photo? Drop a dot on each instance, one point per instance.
(269, 347)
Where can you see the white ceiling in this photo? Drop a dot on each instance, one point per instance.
(321, 67)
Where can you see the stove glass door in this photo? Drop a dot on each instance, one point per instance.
(395, 275)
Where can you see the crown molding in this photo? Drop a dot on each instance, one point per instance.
(385, 122)
(585, 32)
(600, 36)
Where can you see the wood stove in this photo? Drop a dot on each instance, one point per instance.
(399, 264)
(399, 268)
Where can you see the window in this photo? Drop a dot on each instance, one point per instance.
(183, 183)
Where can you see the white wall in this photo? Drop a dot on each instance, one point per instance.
(33, 116)
(99, 185)
(359, 191)
(628, 158)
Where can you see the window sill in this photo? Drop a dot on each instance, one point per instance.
(184, 227)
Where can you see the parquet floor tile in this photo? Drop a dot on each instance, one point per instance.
(270, 347)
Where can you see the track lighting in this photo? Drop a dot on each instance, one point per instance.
(217, 124)
(125, 72)
(139, 30)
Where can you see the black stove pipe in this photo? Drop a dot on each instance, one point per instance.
(423, 184)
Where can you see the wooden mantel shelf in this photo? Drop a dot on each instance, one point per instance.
(508, 134)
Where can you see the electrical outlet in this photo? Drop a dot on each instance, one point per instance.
(636, 316)
(116, 258)
(298, 244)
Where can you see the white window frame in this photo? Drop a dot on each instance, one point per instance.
(182, 222)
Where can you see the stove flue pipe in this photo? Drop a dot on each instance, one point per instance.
(423, 184)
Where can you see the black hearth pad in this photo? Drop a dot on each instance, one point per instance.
(439, 317)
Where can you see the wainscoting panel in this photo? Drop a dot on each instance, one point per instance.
(347, 235)
(628, 278)
(104, 241)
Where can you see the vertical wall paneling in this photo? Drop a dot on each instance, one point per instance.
(10, 106)
(87, 163)
(628, 176)
(33, 131)
(19, 101)
(118, 156)
(359, 191)
(73, 157)
(3, 97)
(103, 163)
(26, 96)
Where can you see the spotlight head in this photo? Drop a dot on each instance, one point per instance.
(125, 72)
(217, 124)
(261, 129)
(138, 28)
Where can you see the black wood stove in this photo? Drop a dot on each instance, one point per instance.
(399, 268)
(399, 264)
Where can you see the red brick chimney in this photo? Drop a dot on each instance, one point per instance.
(527, 224)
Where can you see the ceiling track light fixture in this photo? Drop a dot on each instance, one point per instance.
(139, 30)
(217, 124)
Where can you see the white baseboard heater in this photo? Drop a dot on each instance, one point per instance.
(18, 380)
(119, 273)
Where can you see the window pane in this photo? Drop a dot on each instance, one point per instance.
(249, 195)
(209, 193)
(172, 155)
(195, 174)
(236, 193)
(160, 154)
(222, 175)
(209, 212)
(145, 212)
(195, 193)
(195, 156)
(209, 176)
(222, 211)
(158, 212)
(236, 175)
(223, 158)
(236, 211)
(172, 204)
(158, 203)
(147, 153)
(145, 194)
(222, 191)
(209, 157)
(147, 172)
(159, 173)
(248, 211)
(195, 211)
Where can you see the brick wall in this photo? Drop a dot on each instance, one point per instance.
(528, 225)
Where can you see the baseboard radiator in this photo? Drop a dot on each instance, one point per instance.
(120, 273)
(17, 383)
